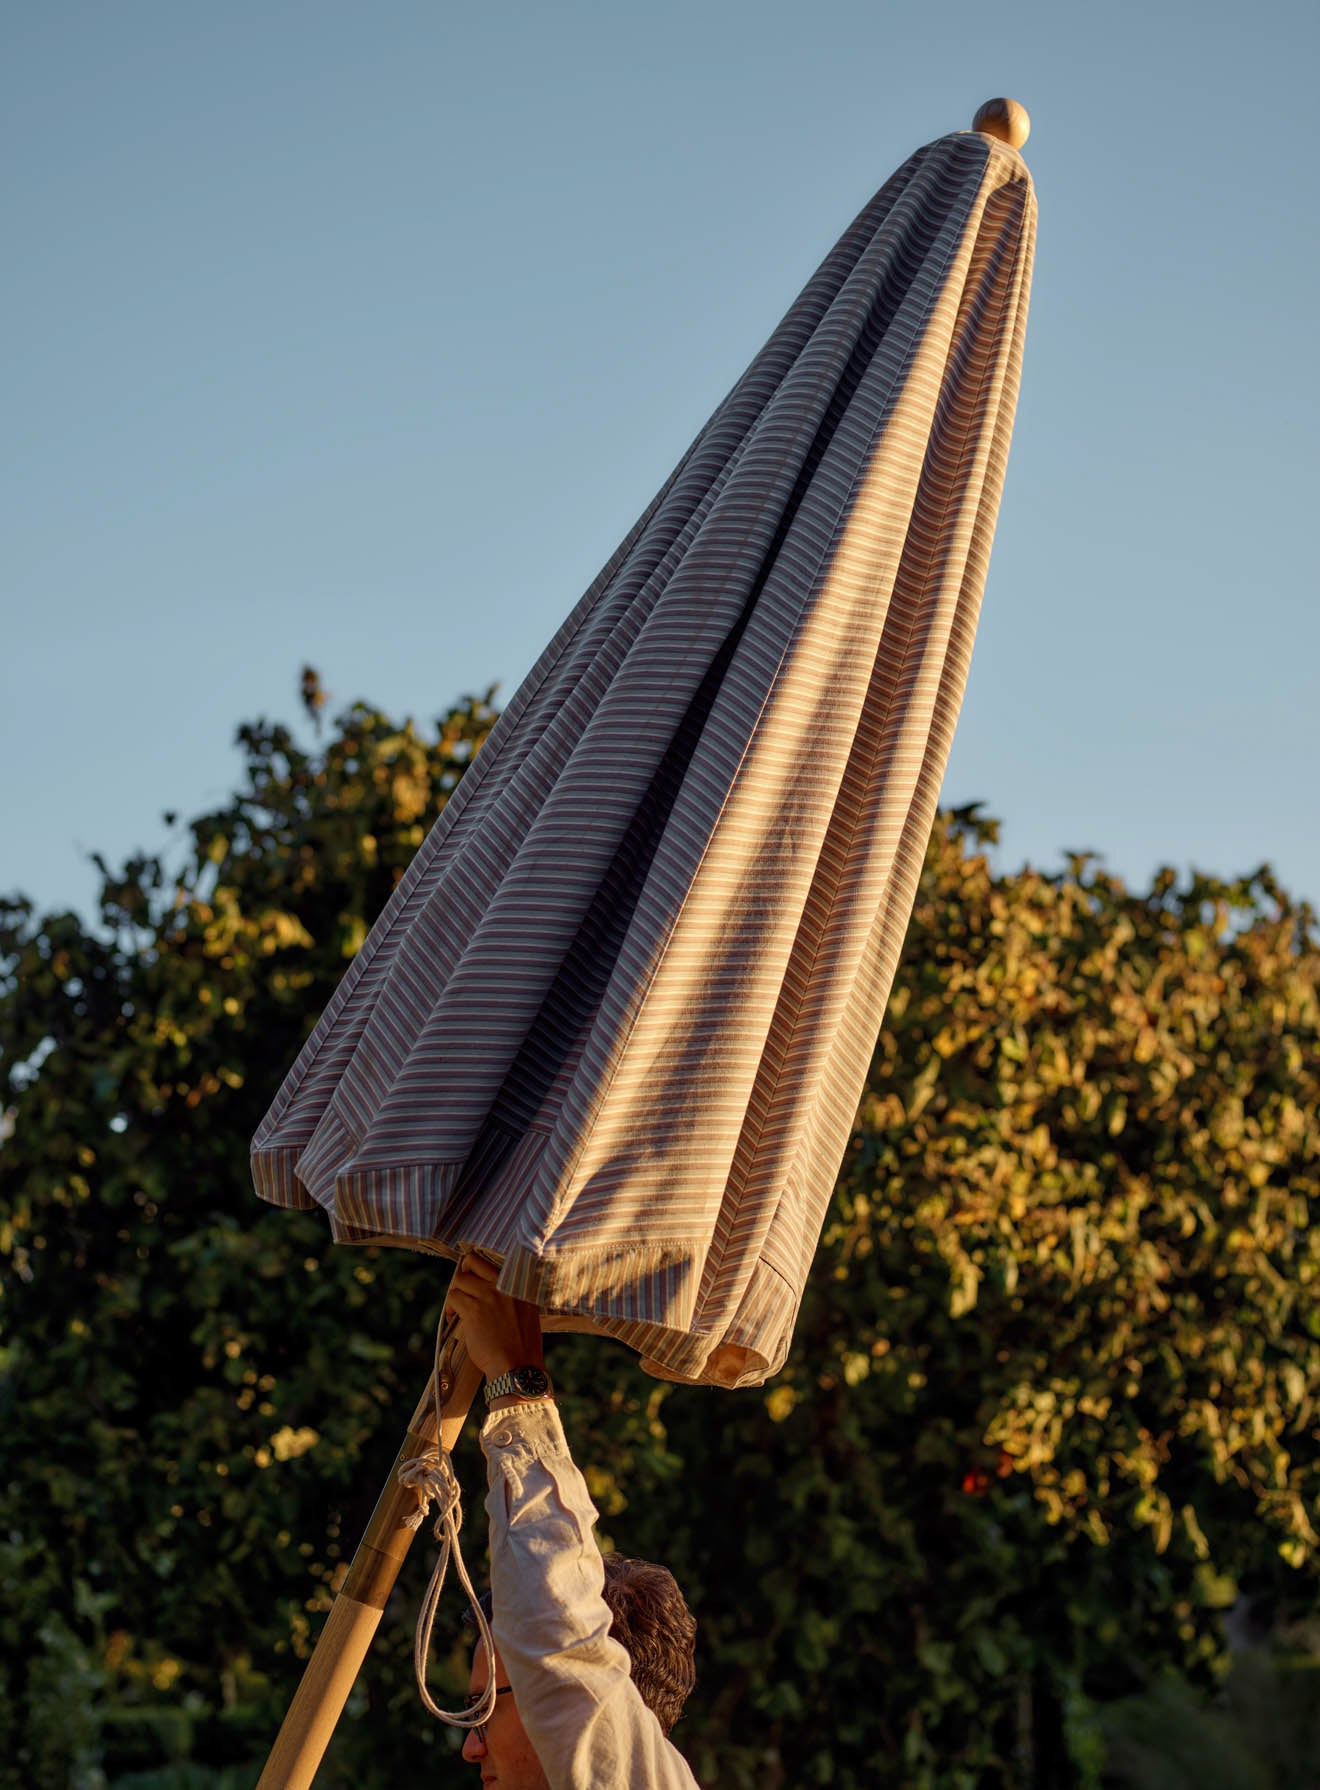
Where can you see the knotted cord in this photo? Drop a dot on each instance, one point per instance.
(430, 1476)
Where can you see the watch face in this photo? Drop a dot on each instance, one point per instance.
(531, 1382)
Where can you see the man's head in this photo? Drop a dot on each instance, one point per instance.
(500, 1746)
(652, 1623)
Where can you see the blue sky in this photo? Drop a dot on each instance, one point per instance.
(359, 335)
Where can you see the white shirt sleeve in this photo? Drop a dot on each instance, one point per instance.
(581, 1709)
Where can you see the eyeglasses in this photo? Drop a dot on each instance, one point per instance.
(474, 1702)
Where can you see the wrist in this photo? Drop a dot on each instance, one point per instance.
(505, 1361)
(511, 1399)
(525, 1381)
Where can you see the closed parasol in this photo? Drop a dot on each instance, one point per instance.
(612, 1027)
(613, 1024)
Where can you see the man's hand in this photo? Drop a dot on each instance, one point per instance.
(499, 1333)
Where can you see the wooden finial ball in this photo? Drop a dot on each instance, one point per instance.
(1005, 119)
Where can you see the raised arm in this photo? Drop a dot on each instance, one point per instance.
(571, 1683)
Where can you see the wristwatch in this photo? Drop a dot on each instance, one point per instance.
(526, 1382)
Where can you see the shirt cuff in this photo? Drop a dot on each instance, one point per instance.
(522, 1432)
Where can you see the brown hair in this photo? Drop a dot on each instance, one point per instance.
(652, 1623)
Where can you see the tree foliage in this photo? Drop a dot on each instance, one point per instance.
(1052, 1405)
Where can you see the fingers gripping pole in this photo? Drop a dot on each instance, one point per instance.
(355, 1615)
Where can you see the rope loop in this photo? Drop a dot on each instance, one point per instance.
(431, 1478)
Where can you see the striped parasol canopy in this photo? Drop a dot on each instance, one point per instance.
(614, 1022)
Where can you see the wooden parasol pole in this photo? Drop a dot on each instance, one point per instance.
(355, 1614)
